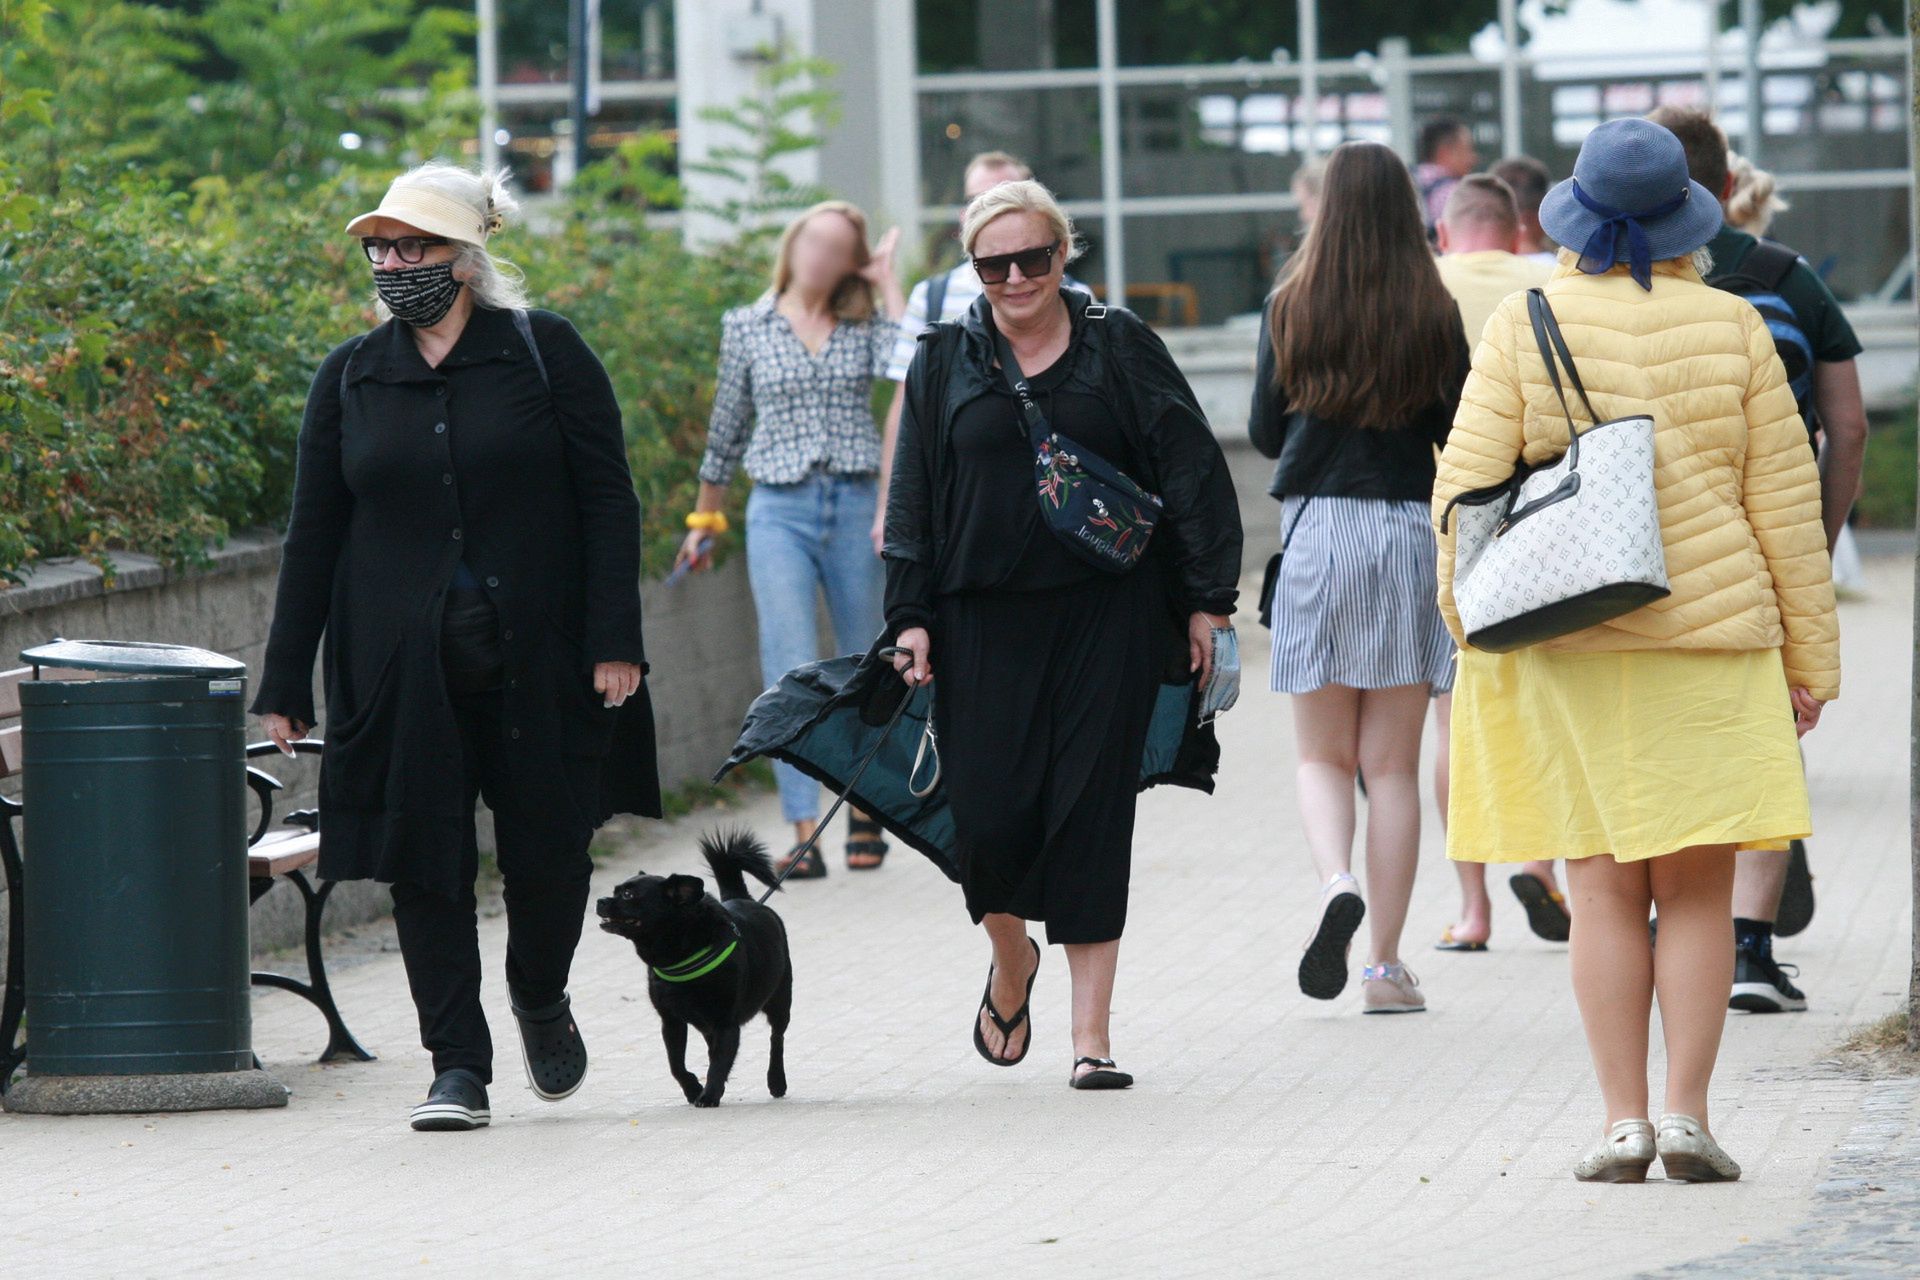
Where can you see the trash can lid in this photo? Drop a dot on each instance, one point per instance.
(134, 658)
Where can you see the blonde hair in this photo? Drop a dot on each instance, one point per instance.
(1023, 196)
(853, 297)
(496, 283)
(995, 160)
(1752, 204)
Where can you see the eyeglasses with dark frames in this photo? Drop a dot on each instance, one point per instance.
(410, 248)
(1033, 264)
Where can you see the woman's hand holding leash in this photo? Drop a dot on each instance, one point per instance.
(913, 665)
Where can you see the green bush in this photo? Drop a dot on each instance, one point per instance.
(160, 347)
(153, 374)
(651, 310)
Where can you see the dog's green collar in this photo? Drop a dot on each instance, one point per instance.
(698, 965)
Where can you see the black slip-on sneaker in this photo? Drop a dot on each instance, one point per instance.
(457, 1101)
(551, 1049)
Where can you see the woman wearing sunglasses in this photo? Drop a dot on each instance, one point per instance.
(466, 535)
(794, 402)
(1051, 667)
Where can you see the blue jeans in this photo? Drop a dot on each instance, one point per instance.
(802, 539)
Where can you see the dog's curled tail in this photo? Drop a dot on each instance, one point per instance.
(735, 854)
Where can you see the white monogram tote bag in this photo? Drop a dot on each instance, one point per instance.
(1566, 546)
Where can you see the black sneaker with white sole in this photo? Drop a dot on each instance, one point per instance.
(457, 1101)
(1760, 985)
(552, 1050)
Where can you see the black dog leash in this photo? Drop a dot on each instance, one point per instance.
(793, 860)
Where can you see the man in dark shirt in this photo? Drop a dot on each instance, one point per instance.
(1839, 418)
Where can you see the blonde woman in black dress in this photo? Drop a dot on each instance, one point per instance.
(1051, 669)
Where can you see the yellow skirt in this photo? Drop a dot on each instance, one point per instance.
(1571, 755)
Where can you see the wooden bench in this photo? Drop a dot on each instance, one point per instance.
(274, 853)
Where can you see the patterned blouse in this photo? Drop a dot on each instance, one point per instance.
(807, 410)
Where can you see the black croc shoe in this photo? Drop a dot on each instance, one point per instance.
(457, 1101)
(551, 1047)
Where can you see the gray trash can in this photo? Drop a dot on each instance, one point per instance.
(135, 893)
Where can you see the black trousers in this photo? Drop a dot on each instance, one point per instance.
(545, 866)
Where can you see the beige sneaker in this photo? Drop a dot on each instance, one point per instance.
(1688, 1152)
(1622, 1156)
(1391, 988)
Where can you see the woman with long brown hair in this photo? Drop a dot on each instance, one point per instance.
(1361, 359)
(795, 400)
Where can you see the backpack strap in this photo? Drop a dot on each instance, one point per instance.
(1769, 264)
(525, 326)
(936, 297)
(348, 364)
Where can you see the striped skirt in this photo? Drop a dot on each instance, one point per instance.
(1356, 601)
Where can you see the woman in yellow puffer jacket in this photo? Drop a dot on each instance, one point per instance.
(1649, 749)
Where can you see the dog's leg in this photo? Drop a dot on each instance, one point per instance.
(722, 1045)
(779, 1011)
(674, 1032)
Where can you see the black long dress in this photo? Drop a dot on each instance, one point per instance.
(1045, 676)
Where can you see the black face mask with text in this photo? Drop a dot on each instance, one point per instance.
(421, 296)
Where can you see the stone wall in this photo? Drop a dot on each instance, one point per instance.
(701, 642)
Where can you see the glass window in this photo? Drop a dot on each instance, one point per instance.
(1004, 35)
(1186, 269)
(1056, 131)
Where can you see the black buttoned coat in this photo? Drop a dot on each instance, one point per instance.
(403, 468)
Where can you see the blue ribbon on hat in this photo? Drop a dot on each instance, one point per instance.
(1603, 246)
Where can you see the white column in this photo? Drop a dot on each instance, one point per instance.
(1113, 230)
(1750, 26)
(488, 43)
(711, 73)
(1713, 56)
(1511, 142)
(897, 123)
(1397, 84)
(1309, 14)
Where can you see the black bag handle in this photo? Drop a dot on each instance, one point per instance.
(1546, 333)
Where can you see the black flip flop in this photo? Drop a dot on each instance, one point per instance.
(1103, 1075)
(808, 866)
(1007, 1026)
(1323, 969)
(1546, 908)
(864, 841)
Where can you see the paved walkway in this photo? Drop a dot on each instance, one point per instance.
(1270, 1134)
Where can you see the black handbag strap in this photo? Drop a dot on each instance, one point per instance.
(1546, 334)
(1038, 428)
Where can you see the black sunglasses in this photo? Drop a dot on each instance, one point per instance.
(410, 248)
(1033, 264)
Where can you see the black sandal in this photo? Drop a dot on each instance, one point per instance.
(1546, 907)
(1103, 1075)
(864, 841)
(806, 866)
(1006, 1026)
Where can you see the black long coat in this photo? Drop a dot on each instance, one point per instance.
(413, 468)
(1196, 545)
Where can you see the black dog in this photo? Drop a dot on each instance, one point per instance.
(712, 963)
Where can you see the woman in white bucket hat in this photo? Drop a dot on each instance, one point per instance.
(466, 535)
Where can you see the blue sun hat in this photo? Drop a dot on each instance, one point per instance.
(1630, 200)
